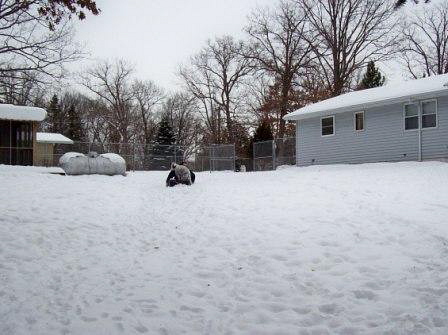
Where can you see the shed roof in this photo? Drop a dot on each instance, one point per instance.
(52, 138)
(429, 87)
(22, 113)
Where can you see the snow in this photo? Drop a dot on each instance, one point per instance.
(52, 138)
(393, 93)
(344, 249)
(114, 158)
(22, 113)
(66, 157)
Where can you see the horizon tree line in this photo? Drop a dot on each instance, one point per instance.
(294, 53)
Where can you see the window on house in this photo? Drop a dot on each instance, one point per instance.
(359, 121)
(410, 116)
(327, 125)
(429, 114)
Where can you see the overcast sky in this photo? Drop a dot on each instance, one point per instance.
(157, 35)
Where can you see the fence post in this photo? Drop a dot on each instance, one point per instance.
(175, 153)
(253, 156)
(213, 158)
(273, 154)
(210, 158)
(133, 156)
(234, 157)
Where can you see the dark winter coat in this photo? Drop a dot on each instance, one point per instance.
(181, 174)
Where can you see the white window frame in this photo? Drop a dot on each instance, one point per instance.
(334, 125)
(418, 115)
(363, 121)
(436, 113)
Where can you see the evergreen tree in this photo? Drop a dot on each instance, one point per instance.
(164, 151)
(165, 135)
(263, 132)
(75, 130)
(55, 118)
(372, 77)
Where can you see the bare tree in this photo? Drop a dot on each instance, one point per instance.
(347, 34)
(399, 3)
(256, 93)
(35, 35)
(425, 45)
(279, 48)
(95, 121)
(181, 108)
(147, 96)
(215, 76)
(201, 86)
(23, 88)
(111, 83)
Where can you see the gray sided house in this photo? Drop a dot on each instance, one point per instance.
(399, 122)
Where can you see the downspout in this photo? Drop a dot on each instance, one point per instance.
(419, 132)
(297, 143)
(420, 144)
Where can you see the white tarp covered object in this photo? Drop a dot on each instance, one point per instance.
(22, 113)
(75, 163)
(52, 138)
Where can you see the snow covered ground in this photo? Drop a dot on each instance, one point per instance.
(359, 249)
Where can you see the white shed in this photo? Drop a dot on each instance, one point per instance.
(45, 142)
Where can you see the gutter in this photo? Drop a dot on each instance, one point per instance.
(357, 107)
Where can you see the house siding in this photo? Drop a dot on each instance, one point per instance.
(383, 138)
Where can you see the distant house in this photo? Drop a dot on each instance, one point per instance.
(45, 142)
(396, 122)
(18, 126)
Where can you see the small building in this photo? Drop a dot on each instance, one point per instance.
(45, 142)
(18, 126)
(396, 122)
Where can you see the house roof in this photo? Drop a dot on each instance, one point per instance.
(52, 138)
(416, 89)
(22, 113)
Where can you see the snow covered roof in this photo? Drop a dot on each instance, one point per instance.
(22, 113)
(393, 93)
(52, 138)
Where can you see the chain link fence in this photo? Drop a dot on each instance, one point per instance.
(268, 155)
(145, 157)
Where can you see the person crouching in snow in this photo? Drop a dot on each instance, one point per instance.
(179, 174)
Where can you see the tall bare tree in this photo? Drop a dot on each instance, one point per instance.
(215, 76)
(23, 88)
(349, 33)
(201, 86)
(181, 108)
(279, 47)
(35, 35)
(95, 120)
(147, 97)
(425, 45)
(112, 84)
